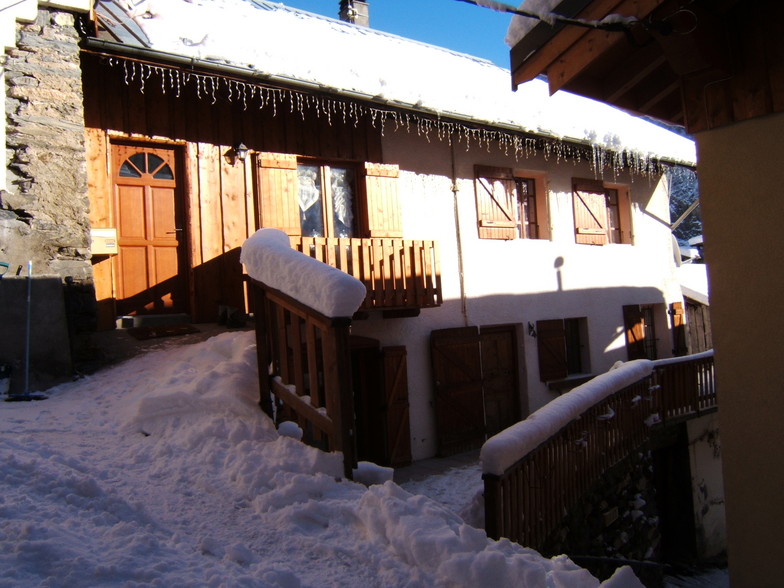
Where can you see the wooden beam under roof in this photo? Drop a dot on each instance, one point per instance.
(593, 43)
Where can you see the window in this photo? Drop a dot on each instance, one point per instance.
(318, 199)
(510, 204)
(145, 163)
(602, 213)
(639, 324)
(562, 346)
(326, 200)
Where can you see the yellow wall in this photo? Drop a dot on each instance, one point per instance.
(742, 197)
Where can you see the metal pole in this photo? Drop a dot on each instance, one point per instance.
(27, 330)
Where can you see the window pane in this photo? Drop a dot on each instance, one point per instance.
(649, 333)
(128, 171)
(613, 217)
(342, 186)
(140, 161)
(527, 199)
(158, 167)
(310, 206)
(164, 173)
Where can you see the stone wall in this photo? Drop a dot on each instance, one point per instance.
(44, 207)
(44, 210)
(616, 521)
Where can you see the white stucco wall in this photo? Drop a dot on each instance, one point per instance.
(741, 181)
(707, 486)
(516, 282)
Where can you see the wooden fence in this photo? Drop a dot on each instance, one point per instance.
(305, 365)
(527, 502)
(397, 273)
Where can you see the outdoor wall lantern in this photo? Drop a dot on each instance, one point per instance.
(240, 152)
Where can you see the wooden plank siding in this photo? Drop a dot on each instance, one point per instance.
(220, 195)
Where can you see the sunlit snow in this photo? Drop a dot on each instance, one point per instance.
(163, 471)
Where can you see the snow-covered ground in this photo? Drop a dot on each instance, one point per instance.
(162, 471)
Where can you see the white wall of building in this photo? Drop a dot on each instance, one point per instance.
(741, 205)
(521, 281)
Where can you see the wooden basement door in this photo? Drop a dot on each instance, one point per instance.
(150, 222)
(476, 384)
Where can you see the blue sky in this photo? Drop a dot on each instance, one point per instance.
(446, 23)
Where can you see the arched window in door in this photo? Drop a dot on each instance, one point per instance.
(145, 163)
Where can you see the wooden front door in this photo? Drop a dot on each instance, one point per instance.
(150, 263)
(476, 385)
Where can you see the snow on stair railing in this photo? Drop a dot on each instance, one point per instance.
(303, 311)
(537, 470)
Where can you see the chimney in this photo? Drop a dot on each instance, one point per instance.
(355, 12)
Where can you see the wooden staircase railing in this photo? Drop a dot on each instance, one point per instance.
(526, 501)
(305, 365)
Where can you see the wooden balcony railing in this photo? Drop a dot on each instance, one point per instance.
(397, 273)
(527, 501)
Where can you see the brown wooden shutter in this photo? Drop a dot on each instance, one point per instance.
(380, 210)
(551, 342)
(396, 392)
(457, 372)
(635, 331)
(590, 212)
(678, 315)
(496, 202)
(278, 191)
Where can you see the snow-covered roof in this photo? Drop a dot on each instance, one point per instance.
(270, 39)
(694, 281)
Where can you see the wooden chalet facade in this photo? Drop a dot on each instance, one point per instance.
(403, 202)
(182, 219)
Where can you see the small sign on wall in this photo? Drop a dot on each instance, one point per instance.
(104, 241)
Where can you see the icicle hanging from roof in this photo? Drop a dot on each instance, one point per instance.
(523, 145)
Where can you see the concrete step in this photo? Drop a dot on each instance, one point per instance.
(152, 320)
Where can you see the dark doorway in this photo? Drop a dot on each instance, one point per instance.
(380, 385)
(672, 478)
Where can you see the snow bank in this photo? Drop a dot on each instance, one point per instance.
(504, 449)
(163, 472)
(391, 70)
(269, 258)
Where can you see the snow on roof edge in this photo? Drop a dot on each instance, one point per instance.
(376, 66)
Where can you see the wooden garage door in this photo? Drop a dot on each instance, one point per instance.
(475, 383)
(149, 217)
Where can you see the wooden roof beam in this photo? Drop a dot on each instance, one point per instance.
(660, 96)
(527, 65)
(645, 62)
(592, 45)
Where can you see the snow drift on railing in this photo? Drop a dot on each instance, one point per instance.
(269, 258)
(501, 451)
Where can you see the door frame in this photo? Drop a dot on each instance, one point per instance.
(183, 211)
